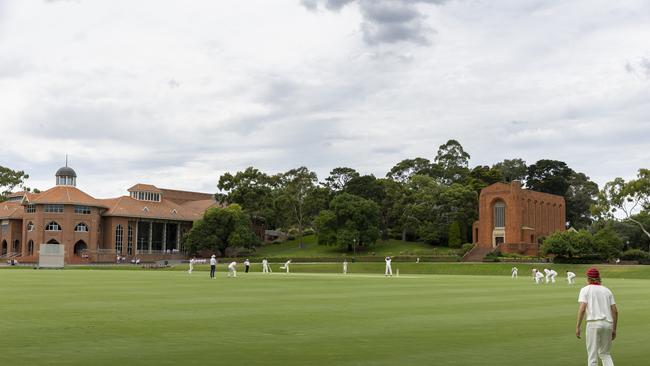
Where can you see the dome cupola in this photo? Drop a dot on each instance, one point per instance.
(66, 176)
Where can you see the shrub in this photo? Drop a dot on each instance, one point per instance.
(454, 235)
(465, 248)
(635, 255)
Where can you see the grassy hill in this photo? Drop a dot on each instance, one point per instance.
(311, 248)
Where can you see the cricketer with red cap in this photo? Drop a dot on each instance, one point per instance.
(597, 303)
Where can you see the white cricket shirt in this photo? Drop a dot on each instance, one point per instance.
(599, 300)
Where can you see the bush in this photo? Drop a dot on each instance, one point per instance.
(635, 255)
(454, 235)
(465, 248)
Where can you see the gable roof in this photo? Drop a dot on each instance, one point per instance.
(11, 210)
(126, 206)
(144, 188)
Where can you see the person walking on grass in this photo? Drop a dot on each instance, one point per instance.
(265, 266)
(598, 307)
(213, 266)
(247, 263)
(232, 269)
(570, 277)
(286, 266)
(514, 272)
(389, 269)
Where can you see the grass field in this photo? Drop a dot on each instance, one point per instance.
(382, 248)
(96, 317)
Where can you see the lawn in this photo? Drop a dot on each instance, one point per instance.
(94, 317)
(382, 248)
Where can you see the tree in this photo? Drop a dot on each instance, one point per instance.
(605, 244)
(10, 179)
(295, 187)
(579, 197)
(627, 198)
(350, 221)
(366, 186)
(407, 168)
(453, 162)
(511, 169)
(339, 178)
(454, 237)
(549, 176)
(219, 229)
(482, 176)
(252, 190)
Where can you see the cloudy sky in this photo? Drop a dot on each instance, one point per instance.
(175, 93)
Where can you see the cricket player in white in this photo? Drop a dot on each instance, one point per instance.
(598, 304)
(345, 266)
(548, 274)
(213, 266)
(552, 274)
(570, 277)
(538, 277)
(247, 263)
(191, 266)
(389, 269)
(514, 271)
(286, 265)
(265, 266)
(232, 269)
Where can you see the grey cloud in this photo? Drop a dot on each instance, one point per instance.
(639, 68)
(387, 21)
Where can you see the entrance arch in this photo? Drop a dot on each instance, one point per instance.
(80, 247)
(4, 247)
(53, 241)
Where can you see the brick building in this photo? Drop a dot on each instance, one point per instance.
(514, 218)
(148, 223)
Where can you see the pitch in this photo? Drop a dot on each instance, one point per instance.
(95, 317)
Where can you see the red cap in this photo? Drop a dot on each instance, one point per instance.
(593, 273)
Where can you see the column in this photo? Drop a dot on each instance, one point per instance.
(150, 235)
(164, 238)
(178, 236)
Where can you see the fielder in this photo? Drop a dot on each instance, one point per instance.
(514, 271)
(389, 269)
(552, 274)
(345, 266)
(538, 277)
(247, 263)
(548, 274)
(213, 266)
(570, 277)
(232, 269)
(286, 265)
(265, 266)
(598, 304)
(191, 266)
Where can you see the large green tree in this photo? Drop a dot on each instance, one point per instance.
(626, 200)
(219, 229)
(10, 179)
(351, 221)
(295, 187)
(453, 162)
(549, 176)
(407, 168)
(253, 191)
(339, 178)
(512, 169)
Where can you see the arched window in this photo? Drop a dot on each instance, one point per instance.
(52, 241)
(53, 226)
(4, 247)
(80, 248)
(30, 247)
(30, 226)
(119, 234)
(499, 214)
(81, 228)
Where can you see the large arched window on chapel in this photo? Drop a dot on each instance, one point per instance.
(499, 214)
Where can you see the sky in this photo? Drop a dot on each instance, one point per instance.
(176, 93)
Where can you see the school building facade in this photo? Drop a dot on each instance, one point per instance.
(514, 219)
(147, 224)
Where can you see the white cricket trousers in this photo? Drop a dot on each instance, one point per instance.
(265, 269)
(389, 270)
(599, 341)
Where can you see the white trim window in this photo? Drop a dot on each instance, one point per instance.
(53, 226)
(82, 210)
(31, 208)
(54, 208)
(81, 228)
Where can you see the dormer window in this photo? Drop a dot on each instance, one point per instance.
(146, 196)
(145, 209)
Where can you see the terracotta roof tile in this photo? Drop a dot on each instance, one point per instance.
(126, 206)
(144, 188)
(65, 195)
(11, 210)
